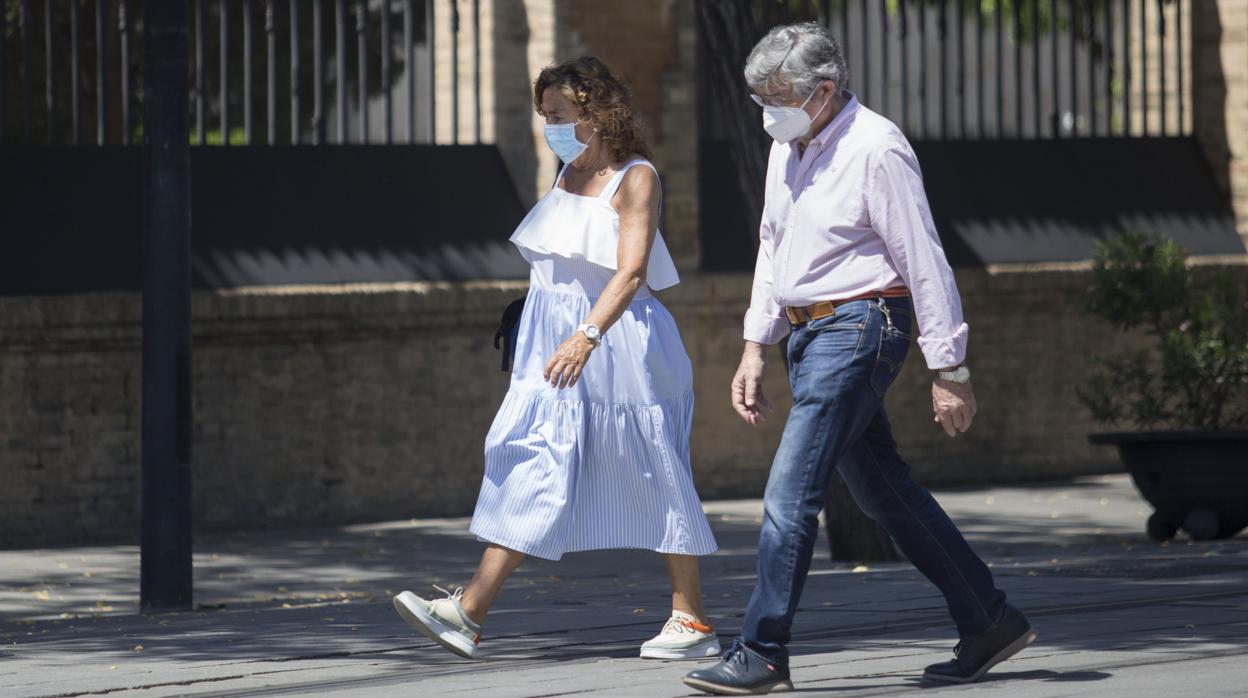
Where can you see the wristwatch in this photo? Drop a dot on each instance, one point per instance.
(591, 332)
(961, 374)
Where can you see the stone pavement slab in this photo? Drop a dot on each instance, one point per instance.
(307, 612)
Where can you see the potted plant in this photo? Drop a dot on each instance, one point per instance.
(1186, 393)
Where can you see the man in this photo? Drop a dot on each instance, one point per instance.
(847, 243)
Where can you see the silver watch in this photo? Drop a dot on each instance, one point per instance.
(961, 374)
(591, 332)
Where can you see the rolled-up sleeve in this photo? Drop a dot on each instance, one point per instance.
(897, 205)
(765, 321)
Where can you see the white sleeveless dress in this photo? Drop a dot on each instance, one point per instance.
(605, 463)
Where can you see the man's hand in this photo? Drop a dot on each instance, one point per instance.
(747, 385)
(954, 405)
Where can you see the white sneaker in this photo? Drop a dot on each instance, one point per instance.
(682, 637)
(441, 620)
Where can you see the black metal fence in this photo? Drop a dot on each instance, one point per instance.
(972, 69)
(263, 71)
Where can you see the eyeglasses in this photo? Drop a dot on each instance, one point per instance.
(764, 103)
(772, 101)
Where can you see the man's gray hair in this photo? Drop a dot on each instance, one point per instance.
(798, 56)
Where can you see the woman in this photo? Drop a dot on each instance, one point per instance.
(590, 448)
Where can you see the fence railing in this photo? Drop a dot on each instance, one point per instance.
(263, 71)
(973, 69)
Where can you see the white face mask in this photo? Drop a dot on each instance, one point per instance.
(786, 124)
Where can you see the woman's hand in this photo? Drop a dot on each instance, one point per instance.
(564, 368)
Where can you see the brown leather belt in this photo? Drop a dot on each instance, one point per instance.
(822, 309)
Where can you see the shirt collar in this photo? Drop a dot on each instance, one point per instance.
(839, 122)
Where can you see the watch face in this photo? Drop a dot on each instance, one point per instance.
(591, 331)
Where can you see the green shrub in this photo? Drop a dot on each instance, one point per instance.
(1196, 373)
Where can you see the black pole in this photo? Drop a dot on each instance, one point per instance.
(999, 57)
(455, 73)
(361, 43)
(340, 66)
(199, 73)
(1035, 67)
(294, 73)
(3, 71)
(386, 89)
(1089, 36)
(75, 80)
(165, 567)
(270, 32)
(123, 28)
(1018, 70)
(247, 65)
(409, 67)
(1074, 69)
(318, 71)
(432, 86)
(101, 86)
(979, 70)
(923, 110)
(961, 67)
(48, 64)
(942, 29)
(26, 27)
(225, 72)
(1055, 115)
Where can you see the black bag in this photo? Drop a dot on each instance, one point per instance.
(508, 332)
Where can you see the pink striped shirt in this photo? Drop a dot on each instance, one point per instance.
(847, 217)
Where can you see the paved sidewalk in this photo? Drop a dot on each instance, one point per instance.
(308, 612)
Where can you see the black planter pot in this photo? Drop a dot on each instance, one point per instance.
(1195, 480)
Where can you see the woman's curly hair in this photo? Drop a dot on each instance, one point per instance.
(603, 98)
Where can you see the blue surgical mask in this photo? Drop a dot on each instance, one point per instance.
(562, 140)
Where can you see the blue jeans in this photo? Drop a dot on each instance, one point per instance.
(839, 370)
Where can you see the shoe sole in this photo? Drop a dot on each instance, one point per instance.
(708, 687)
(704, 650)
(431, 627)
(1010, 650)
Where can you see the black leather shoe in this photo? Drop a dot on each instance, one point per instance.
(974, 656)
(741, 672)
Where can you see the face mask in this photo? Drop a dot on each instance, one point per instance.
(786, 123)
(561, 138)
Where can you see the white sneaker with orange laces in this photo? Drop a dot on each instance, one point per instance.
(441, 620)
(682, 637)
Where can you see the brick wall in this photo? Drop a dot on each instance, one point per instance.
(332, 404)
